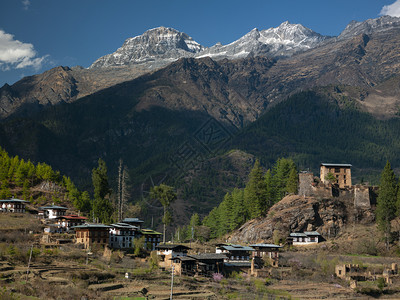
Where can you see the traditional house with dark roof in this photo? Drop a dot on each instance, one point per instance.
(133, 221)
(92, 234)
(122, 235)
(52, 211)
(66, 222)
(268, 252)
(13, 205)
(166, 252)
(201, 264)
(235, 252)
(151, 238)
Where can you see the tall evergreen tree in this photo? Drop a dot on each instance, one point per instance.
(281, 172)
(386, 202)
(255, 192)
(166, 195)
(292, 182)
(102, 206)
(238, 211)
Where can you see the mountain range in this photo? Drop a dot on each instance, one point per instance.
(157, 99)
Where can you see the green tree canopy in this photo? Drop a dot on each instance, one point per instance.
(387, 201)
(166, 195)
(102, 206)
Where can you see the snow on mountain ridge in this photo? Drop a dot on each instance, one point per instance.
(159, 46)
(161, 43)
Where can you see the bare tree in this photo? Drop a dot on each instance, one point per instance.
(122, 190)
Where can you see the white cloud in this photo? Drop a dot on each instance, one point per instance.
(17, 55)
(391, 10)
(26, 4)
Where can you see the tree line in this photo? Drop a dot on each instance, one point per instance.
(18, 178)
(263, 189)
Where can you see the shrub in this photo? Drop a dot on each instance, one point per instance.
(217, 277)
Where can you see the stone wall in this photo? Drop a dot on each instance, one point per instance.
(305, 184)
(362, 196)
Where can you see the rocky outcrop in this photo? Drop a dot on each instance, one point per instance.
(297, 214)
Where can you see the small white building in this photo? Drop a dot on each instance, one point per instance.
(122, 235)
(305, 238)
(52, 211)
(13, 205)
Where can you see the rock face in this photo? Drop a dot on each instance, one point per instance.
(297, 214)
(369, 26)
(157, 46)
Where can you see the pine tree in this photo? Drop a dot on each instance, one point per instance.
(292, 182)
(255, 192)
(238, 211)
(212, 221)
(270, 189)
(281, 172)
(225, 214)
(102, 207)
(386, 202)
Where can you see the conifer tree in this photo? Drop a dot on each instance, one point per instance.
(281, 172)
(212, 221)
(386, 202)
(292, 182)
(255, 192)
(102, 207)
(238, 210)
(270, 188)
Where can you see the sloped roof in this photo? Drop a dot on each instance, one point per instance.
(266, 246)
(183, 258)
(150, 231)
(72, 217)
(232, 247)
(91, 226)
(311, 232)
(124, 226)
(298, 234)
(14, 201)
(172, 246)
(209, 256)
(132, 220)
(336, 165)
(53, 207)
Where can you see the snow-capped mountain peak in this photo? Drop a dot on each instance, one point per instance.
(159, 46)
(284, 40)
(161, 43)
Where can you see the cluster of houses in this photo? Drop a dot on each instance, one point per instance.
(227, 257)
(122, 235)
(115, 236)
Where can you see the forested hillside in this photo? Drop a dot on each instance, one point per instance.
(312, 127)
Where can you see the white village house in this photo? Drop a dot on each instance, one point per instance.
(13, 205)
(122, 235)
(52, 211)
(305, 238)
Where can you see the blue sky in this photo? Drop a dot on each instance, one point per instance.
(36, 35)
